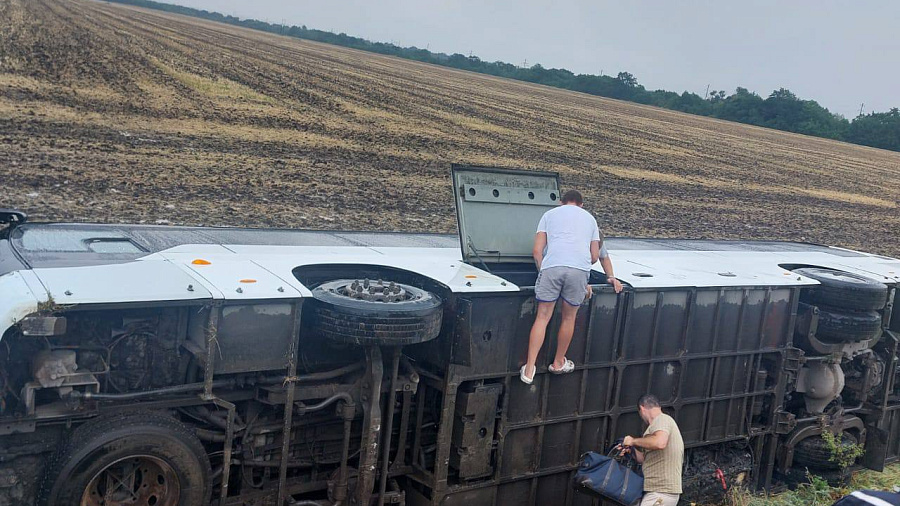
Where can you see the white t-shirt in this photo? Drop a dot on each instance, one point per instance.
(570, 230)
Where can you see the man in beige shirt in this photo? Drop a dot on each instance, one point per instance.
(662, 454)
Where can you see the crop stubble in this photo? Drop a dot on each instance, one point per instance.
(116, 114)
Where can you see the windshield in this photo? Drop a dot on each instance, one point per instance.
(65, 245)
(60, 246)
(8, 260)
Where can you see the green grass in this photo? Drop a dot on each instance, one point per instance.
(817, 492)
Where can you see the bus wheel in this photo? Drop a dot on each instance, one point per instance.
(843, 290)
(364, 312)
(134, 458)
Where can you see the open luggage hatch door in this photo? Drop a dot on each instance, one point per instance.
(498, 211)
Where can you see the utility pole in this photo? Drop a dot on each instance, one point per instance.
(861, 106)
(707, 92)
(525, 64)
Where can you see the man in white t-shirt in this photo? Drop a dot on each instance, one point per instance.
(566, 245)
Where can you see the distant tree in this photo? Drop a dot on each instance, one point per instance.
(742, 106)
(694, 104)
(627, 79)
(782, 110)
(783, 94)
(878, 129)
(716, 96)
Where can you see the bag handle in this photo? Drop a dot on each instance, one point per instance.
(609, 472)
(625, 484)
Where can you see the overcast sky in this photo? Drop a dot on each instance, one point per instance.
(839, 53)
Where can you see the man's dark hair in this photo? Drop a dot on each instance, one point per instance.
(572, 197)
(649, 401)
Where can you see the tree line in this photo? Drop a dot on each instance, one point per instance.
(781, 110)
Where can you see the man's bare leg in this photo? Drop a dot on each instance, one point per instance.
(538, 332)
(566, 330)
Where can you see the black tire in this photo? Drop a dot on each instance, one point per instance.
(844, 290)
(797, 476)
(344, 319)
(105, 442)
(836, 326)
(814, 454)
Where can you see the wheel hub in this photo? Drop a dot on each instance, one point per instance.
(375, 291)
(139, 481)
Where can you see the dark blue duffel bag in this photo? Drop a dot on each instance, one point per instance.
(604, 476)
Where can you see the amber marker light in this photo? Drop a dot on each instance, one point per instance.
(248, 281)
(471, 276)
(200, 261)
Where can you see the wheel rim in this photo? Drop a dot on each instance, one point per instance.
(136, 480)
(375, 291)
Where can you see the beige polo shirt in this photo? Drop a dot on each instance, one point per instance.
(662, 468)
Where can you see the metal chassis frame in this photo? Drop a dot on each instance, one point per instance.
(764, 441)
(215, 313)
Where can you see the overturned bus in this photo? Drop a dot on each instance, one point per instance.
(190, 366)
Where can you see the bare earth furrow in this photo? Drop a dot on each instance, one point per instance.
(112, 113)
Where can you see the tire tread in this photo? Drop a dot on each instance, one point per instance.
(838, 325)
(87, 434)
(362, 323)
(814, 454)
(868, 296)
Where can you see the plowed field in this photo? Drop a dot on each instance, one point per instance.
(110, 113)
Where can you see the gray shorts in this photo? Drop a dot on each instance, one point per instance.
(566, 282)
